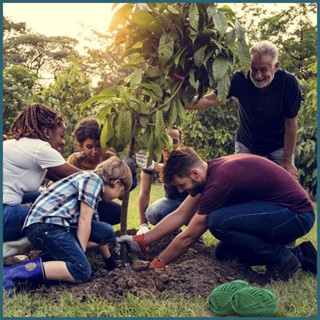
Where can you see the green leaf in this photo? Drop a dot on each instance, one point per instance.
(244, 56)
(219, 67)
(221, 22)
(136, 77)
(123, 129)
(199, 56)
(240, 30)
(120, 16)
(194, 17)
(95, 99)
(223, 87)
(107, 132)
(143, 19)
(165, 50)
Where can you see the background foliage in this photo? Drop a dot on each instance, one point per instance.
(157, 57)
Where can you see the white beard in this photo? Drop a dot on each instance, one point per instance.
(261, 84)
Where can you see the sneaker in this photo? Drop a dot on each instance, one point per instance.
(284, 271)
(309, 253)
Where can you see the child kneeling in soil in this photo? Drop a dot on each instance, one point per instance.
(63, 223)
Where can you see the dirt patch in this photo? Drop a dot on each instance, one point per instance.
(195, 274)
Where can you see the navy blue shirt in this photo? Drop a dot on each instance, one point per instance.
(262, 112)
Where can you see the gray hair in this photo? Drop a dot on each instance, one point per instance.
(265, 48)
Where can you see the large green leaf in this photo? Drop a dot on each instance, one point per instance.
(143, 19)
(165, 50)
(120, 16)
(199, 56)
(194, 17)
(136, 77)
(223, 87)
(221, 22)
(244, 56)
(107, 132)
(123, 129)
(219, 67)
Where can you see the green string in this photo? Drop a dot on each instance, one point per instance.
(220, 298)
(254, 302)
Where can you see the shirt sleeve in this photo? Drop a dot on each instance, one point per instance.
(47, 157)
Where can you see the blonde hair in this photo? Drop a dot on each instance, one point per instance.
(114, 169)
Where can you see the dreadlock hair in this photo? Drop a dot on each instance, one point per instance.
(32, 119)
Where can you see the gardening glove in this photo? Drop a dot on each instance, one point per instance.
(135, 243)
(157, 264)
(144, 228)
(110, 263)
(142, 160)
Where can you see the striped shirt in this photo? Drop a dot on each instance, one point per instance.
(60, 203)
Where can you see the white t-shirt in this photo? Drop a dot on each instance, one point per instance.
(25, 163)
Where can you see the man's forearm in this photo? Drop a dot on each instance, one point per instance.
(290, 139)
(207, 101)
(174, 220)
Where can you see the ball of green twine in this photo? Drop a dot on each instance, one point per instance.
(220, 298)
(253, 301)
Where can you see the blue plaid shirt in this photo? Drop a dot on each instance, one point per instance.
(60, 203)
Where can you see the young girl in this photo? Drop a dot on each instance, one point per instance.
(63, 222)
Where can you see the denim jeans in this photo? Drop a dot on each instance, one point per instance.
(260, 230)
(275, 156)
(13, 220)
(161, 208)
(63, 245)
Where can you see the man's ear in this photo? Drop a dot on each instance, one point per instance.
(195, 173)
(276, 66)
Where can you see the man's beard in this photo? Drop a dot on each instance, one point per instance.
(261, 84)
(197, 187)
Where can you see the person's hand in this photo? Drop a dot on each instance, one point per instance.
(142, 160)
(290, 168)
(157, 264)
(144, 228)
(135, 243)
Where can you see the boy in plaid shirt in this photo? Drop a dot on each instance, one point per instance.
(63, 222)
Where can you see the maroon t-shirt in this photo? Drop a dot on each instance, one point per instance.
(241, 178)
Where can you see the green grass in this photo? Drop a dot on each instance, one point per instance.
(296, 298)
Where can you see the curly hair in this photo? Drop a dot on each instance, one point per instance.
(87, 128)
(32, 119)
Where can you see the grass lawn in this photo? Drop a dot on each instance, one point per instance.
(297, 298)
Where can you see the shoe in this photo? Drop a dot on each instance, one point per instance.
(284, 271)
(309, 253)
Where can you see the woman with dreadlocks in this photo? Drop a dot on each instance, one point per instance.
(30, 154)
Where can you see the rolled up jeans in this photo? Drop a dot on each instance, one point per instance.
(260, 229)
